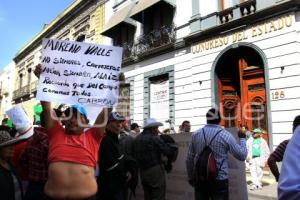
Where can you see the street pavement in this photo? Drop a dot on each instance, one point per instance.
(269, 190)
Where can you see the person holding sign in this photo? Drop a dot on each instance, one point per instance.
(73, 152)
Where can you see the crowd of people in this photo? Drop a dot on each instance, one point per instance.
(63, 157)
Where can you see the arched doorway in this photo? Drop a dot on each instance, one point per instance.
(241, 89)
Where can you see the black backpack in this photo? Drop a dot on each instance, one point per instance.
(205, 166)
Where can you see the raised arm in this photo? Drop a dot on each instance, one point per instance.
(47, 107)
(238, 150)
(101, 120)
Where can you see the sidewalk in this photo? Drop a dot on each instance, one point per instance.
(268, 192)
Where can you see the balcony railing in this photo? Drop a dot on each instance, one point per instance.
(21, 92)
(226, 15)
(246, 8)
(33, 86)
(155, 39)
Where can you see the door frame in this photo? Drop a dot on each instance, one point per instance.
(214, 81)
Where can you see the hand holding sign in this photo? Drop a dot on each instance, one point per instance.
(37, 71)
(74, 72)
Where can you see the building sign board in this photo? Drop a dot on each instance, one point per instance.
(267, 27)
(159, 100)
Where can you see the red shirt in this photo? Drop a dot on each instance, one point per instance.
(81, 149)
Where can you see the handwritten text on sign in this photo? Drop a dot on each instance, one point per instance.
(76, 72)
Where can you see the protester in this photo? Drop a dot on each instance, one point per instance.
(135, 129)
(10, 184)
(34, 159)
(246, 130)
(258, 153)
(185, 127)
(23, 130)
(289, 179)
(222, 142)
(73, 152)
(114, 174)
(125, 139)
(148, 150)
(277, 156)
(4, 121)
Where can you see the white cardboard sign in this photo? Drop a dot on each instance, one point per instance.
(76, 72)
(18, 116)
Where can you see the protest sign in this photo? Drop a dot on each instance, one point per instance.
(18, 116)
(76, 72)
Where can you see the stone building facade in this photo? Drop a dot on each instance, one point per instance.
(183, 57)
(6, 84)
(82, 21)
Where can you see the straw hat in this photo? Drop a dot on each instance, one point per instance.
(5, 138)
(152, 123)
(24, 132)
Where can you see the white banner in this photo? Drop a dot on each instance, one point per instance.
(76, 72)
(159, 101)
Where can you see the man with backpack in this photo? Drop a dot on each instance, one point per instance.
(207, 160)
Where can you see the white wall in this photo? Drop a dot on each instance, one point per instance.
(208, 7)
(7, 79)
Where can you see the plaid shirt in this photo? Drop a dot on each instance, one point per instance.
(35, 156)
(223, 143)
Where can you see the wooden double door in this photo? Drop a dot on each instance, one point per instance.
(242, 93)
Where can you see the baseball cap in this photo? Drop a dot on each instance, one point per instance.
(76, 108)
(114, 116)
(80, 108)
(134, 125)
(258, 131)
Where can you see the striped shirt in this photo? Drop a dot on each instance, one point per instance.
(223, 143)
(277, 156)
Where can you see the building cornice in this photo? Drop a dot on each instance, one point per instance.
(50, 29)
(265, 14)
(276, 10)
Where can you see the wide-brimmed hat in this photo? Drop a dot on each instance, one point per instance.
(21, 123)
(150, 123)
(5, 136)
(24, 132)
(257, 131)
